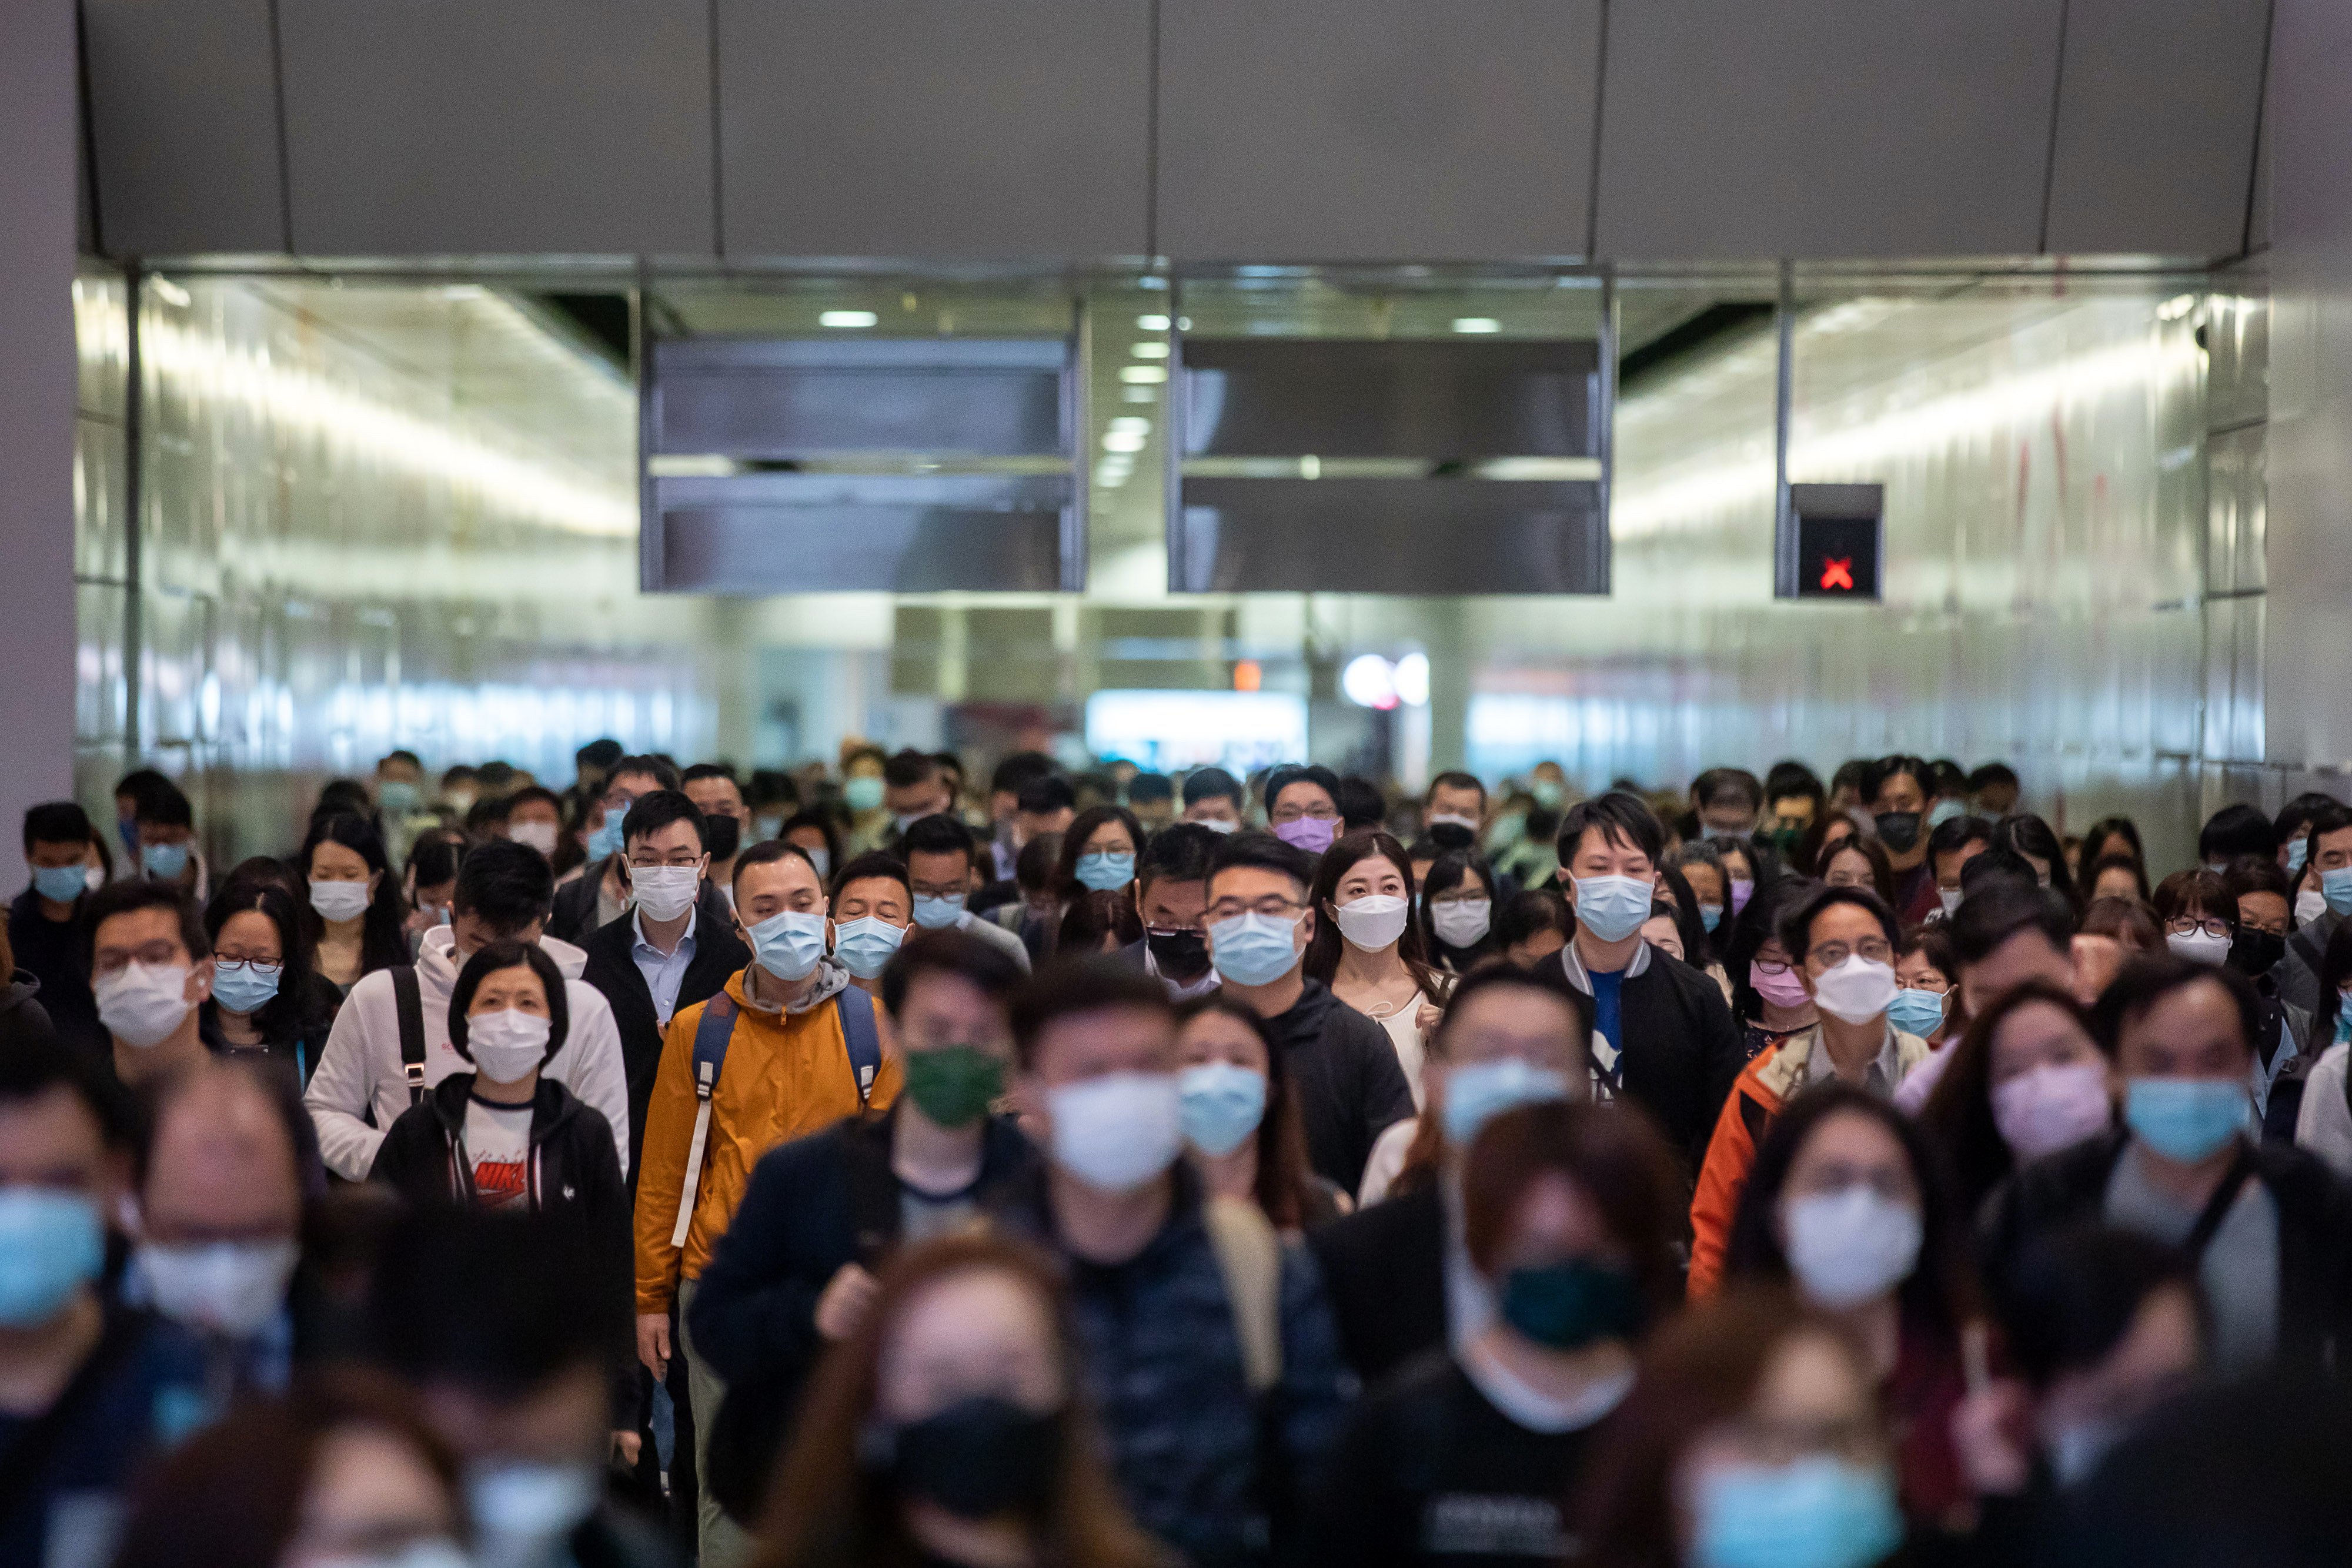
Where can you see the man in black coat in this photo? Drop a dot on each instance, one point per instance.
(583, 904)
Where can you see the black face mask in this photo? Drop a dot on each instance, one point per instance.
(1180, 955)
(2252, 952)
(979, 1459)
(1446, 837)
(1898, 831)
(725, 834)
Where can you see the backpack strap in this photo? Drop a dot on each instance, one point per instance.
(1249, 1256)
(408, 1003)
(864, 1039)
(711, 1033)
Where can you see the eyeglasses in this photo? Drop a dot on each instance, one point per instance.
(1274, 906)
(2189, 925)
(1320, 811)
(154, 955)
(261, 968)
(1875, 950)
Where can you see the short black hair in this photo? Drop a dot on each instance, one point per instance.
(1283, 777)
(602, 752)
(2332, 817)
(2147, 978)
(1714, 785)
(506, 953)
(1455, 778)
(1360, 803)
(1619, 816)
(941, 834)
(1549, 978)
(702, 771)
(906, 768)
(434, 858)
(2296, 813)
(1954, 835)
(1875, 777)
(1180, 851)
(1014, 774)
(1990, 774)
(872, 863)
(1045, 794)
(133, 895)
(505, 885)
(650, 813)
(1950, 777)
(36, 1063)
(1033, 867)
(538, 792)
(1792, 780)
(1999, 863)
(660, 770)
(1149, 789)
(163, 804)
(1990, 916)
(2234, 831)
(400, 754)
(1529, 911)
(768, 852)
(2257, 874)
(496, 1302)
(1068, 987)
(1266, 852)
(56, 823)
(1796, 931)
(989, 967)
(1213, 784)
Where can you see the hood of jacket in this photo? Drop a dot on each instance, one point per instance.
(437, 965)
(831, 980)
(552, 1105)
(20, 988)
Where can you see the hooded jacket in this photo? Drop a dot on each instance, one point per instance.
(22, 1020)
(359, 1089)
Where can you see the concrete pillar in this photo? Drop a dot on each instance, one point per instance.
(36, 416)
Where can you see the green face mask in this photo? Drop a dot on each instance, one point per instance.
(955, 1084)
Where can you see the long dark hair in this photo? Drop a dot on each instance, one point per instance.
(1808, 858)
(291, 1014)
(2029, 835)
(1699, 943)
(1957, 1117)
(1757, 925)
(1322, 959)
(1941, 1293)
(1066, 885)
(1882, 874)
(1446, 873)
(382, 944)
(1282, 1168)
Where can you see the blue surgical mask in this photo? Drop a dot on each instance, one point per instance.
(864, 945)
(864, 792)
(936, 913)
(240, 988)
(1710, 915)
(2336, 886)
(606, 841)
(51, 1244)
(1254, 950)
(61, 883)
(2185, 1119)
(1817, 1511)
(398, 796)
(1478, 1092)
(1548, 794)
(788, 945)
(1944, 810)
(1219, 1104)
(164, 863)
(2297, 850)
(1916, 1012)
(1613, 907)
(1105, 871)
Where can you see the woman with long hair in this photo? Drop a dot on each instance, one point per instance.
(1098, 851)
(1240, 1113)
(354, 917)
(1366, 948)
(949, 1429)
(2026, 1080)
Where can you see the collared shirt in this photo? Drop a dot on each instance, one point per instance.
(1880, 1077)
(664, 972)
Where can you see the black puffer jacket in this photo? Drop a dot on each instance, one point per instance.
(22, 1018)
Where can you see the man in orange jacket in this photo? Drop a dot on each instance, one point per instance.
(799, 1054)
(1843, 942)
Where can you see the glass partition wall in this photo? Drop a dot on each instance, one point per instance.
(377, 510)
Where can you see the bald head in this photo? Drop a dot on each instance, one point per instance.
(221, 1163)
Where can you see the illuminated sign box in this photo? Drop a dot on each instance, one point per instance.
(1831, 543)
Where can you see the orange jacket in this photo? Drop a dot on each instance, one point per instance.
(1764, 1085)
(786, 1075)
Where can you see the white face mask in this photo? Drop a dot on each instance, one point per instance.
(1848, 1245)
(1462, 922)
(1456, 818)
(141, 1004)
(664, 892)
(508, 1046)
(231, 1288)
(1949, 898)
(2202, 947)
(1856, 992)
(522, 1510)
(540, 836)
(2309, 905)
(337, 900)
(1372, 924)
(1119, 1131)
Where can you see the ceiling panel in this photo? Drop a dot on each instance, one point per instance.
(438, 127)
(2155, 126)
(1375, 130)
(1826, 127)
(935, 127)
(184, 123)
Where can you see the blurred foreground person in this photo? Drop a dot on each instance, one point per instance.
(949, 1430)
(339, 1474)
(1468, 1456)
(2026, 1080)
(1751, 1439)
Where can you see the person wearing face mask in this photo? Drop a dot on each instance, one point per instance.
(167, 849)
(1241, 1122)
(1401, 1282)
(823, 1215)
(1214, 799)
(390, 1044)
(1662, 1034)
(1898, 791)
(1456, 911)
(399, 790)
(1846, 1206)
(1207, 1342)
(950, 1429)
(1928, 1004)
(866, 793)
(1302, 806)
(1170, 895)
(1845, 940)
(676, 946)
(1702, 868)
(1768, 991)
(1453, 810)
(2323, 1122)
(1098, 855)
(1260, 918)
(791, 1047)
(1725, 803)
(1366, 948)
(943, 873)
(430, 880)
(535, 817)
(2266, 1224)
(2025, 1082)
(43, 932)
(715, 793)
(913, 786)
(2323, 900)
(2200, 917)
(1752, 1437)
(1468, 1456)
(352, 915)
(151, 965)
(598, 893)
(873, 910)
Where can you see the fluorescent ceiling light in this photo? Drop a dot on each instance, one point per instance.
(1477, 324)
(1150, 350)
(846, 319)
(1142, 375)
(1153, 323)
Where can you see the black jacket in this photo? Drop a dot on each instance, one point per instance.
(293, 1034)
(1343, 1069)
(51, 953)
(574, 918)
(1682, 1050)
(22, 1018)
(611, 968)
(1384, 1270)
(2314, 1225)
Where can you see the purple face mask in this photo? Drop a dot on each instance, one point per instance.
(1782, 990)
(1742, 890)
(1312, 834)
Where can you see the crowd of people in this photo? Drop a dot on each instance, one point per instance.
(859, 1168)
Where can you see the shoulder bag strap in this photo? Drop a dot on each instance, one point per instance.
(2218, 1207)
(408, 1002)
(711, 1033)
(865, 1041)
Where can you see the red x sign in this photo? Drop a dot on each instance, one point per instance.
(1838, 573)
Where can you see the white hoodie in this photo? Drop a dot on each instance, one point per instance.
(361, 1068)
